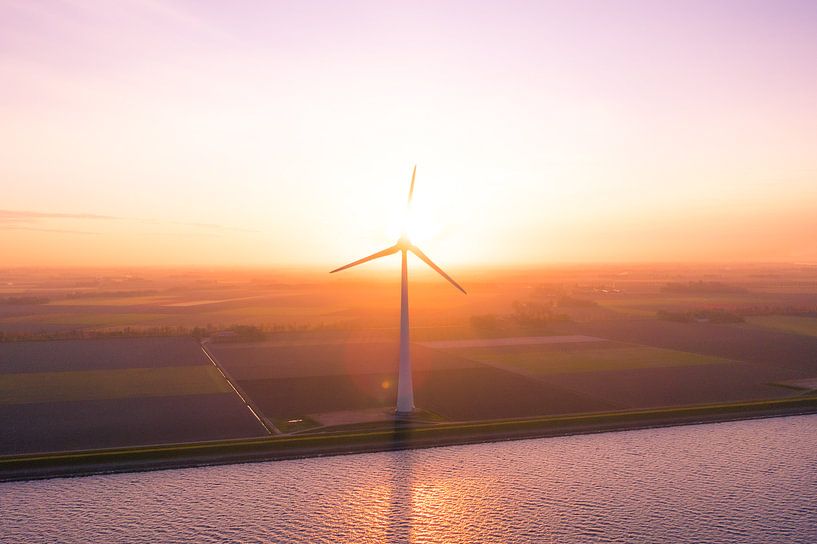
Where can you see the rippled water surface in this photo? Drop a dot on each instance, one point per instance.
(751, 481)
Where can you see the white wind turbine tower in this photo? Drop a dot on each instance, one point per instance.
(405, 388)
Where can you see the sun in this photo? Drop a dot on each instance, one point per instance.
(416, 222)
(420, 225)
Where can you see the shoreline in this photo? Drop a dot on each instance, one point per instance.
(400, 437)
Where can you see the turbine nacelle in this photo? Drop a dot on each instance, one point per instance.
(404, 244)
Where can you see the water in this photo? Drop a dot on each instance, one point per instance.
(750, 481)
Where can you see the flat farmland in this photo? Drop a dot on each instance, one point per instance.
(568, 360)
(151, 300)
(288, 398)
(91, 424)
(220, 306)
(493, 378)
(299, 380)
(675, 385)
(491, 393)
(264, 361)
(108, 354)
(649, 303)
(787, 323)
(789, 354)
(553, 340)
(83, 320)
(272, 313)
(331, 352)
(85, 394)
(30, 387)
(475, 393)
(632, 376)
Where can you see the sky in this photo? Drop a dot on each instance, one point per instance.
(193, 133)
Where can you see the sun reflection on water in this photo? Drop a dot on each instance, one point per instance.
(683, 484)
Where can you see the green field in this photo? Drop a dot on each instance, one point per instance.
(151, 300)
(89, 319)
(789, 323)
(648, 304)
(536, 361)
(34, 387)
(275, 312)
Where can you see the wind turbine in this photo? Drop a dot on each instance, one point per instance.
(405, 387)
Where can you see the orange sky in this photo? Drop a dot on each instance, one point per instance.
(150, 133)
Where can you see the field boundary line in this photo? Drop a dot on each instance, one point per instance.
(268, 425)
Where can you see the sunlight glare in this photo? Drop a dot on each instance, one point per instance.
(417, 222)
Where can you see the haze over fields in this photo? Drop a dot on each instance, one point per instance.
(98, 359)
(266, 133)
(567, 326)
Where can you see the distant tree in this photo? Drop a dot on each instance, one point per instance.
(703, 287)
(485, 323)
(711, 315)
(572, 302)
(248, 332)
(532, 314)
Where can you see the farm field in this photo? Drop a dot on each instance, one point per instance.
(32, 387)
(324, 349)
(111, 423)
(109, 301)
(787, 354)
(513, 377)
(87, 394)
(648, 304)
(641, 388)
(90, 320)
(102, 354)
(476, 393)
(310, 380)
(260, 361)
(613, 357)
(513, 341)
(798, 325)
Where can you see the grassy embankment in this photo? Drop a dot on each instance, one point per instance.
(399, 436)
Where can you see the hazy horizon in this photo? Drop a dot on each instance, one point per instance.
(605, 267)
(280, 135)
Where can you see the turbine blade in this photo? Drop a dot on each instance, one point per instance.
(373, 256)
(411, 189)
(429, 262)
